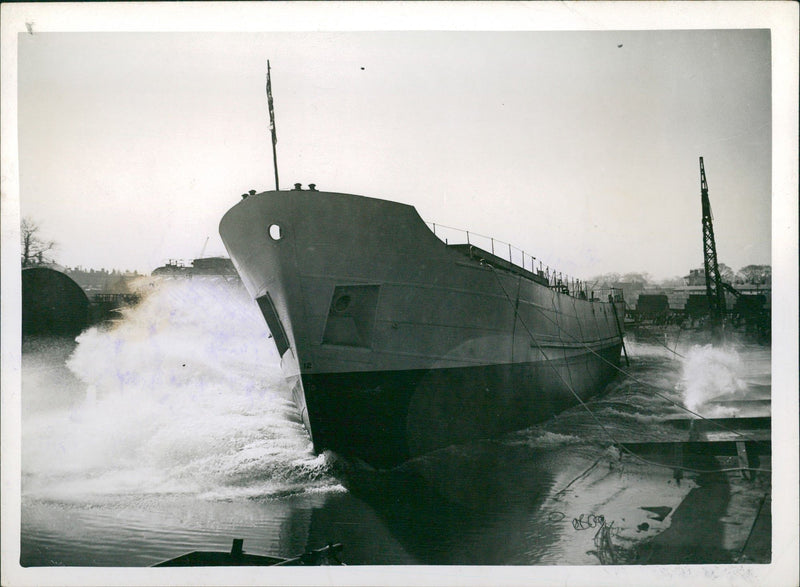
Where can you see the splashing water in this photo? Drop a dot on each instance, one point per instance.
(711, 373)
(183, 395)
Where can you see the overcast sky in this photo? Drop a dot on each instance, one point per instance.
(579, 147)
(131, 146)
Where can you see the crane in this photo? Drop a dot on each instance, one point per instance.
(714, 285)
(203, 250)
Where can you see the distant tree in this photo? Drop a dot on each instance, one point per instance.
(643, 278)
(760, 274)
(35, 250)
(726, 273)
(672, 282)
(605, 280)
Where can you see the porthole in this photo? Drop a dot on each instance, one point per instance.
(341, 303)
(275, 232)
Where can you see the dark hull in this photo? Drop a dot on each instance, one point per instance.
(385, 417)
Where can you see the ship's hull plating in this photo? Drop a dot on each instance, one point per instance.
(395, 343)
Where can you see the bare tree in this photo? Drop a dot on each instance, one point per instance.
(35, 250)
(726, 273)
(761, 274)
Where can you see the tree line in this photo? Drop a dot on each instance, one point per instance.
(36, 251)
(39, 251)
(749, 274)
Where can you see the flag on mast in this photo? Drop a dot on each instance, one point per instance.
(272, 127)
(271, 107)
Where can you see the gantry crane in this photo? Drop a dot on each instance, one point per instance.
(714, 285)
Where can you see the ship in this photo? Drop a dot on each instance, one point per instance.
(201, 267)
(395, 342)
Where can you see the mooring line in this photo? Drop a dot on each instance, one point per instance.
(752, 527)
(597, 420)
(674, 352)
(631, 376)
(578, 478)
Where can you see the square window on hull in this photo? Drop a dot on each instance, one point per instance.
(351, 316)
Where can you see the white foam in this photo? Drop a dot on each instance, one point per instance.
(184, 394)
(709, 373)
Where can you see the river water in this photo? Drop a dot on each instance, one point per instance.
(172, 430)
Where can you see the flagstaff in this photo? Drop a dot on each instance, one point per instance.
(272, 126)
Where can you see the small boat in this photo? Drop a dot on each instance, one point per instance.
(326, 556)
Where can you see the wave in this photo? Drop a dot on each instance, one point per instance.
(184, 394)
(711, 373)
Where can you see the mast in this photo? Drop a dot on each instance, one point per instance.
(714, 291)
(272, 127)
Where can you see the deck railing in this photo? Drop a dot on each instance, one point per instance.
(520, 258)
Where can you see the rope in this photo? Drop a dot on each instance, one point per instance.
(597, 420)
(626, 373)
(584, 522)
(578, 478)
(674, 352)
(752, 528)
(602, 538)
